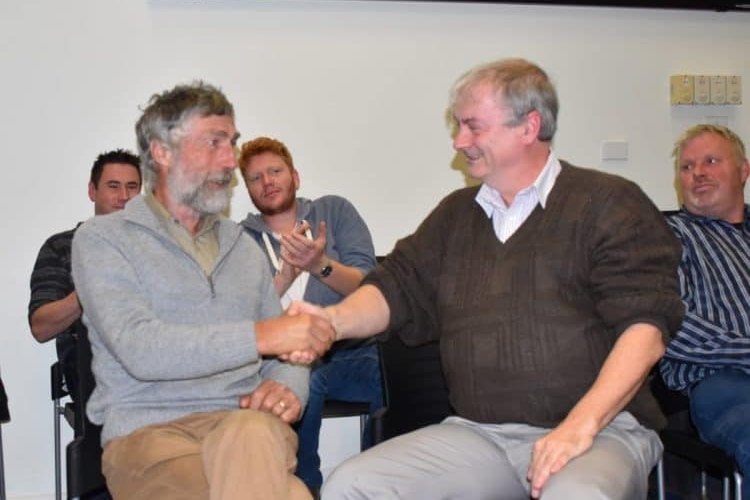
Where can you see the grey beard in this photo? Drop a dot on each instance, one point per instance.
(207, 203)
(199, 197)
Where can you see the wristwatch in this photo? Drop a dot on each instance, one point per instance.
(326, 271)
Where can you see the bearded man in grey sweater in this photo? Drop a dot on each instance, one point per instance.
(187, 335)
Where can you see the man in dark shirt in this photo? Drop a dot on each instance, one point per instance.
(709, 358)
(551, 288)
(54, 311)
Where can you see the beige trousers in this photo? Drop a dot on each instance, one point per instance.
(223, 455)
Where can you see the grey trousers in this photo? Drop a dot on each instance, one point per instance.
(461, 459)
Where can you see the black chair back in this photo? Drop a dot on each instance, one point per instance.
(416, 391)
(83, 454)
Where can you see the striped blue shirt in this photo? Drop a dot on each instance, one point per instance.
(715, 287)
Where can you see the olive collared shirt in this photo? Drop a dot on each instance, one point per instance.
(203, 247)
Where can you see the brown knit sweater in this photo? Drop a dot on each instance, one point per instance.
(526, 325)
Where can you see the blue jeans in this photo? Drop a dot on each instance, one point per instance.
(720, 408)
(347, 375)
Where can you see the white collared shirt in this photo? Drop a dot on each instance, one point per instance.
(507, 219)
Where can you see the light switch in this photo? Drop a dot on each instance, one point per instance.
(718, 89)
(614, 150)
(681, 89)
(734, 89)
(702, 94)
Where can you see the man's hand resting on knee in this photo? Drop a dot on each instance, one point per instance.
(275, 398)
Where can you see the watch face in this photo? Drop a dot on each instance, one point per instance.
(326, 271)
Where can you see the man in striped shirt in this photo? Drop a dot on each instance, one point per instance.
(709, 356)
(54, 311)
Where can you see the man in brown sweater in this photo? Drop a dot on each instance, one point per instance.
(551, 288)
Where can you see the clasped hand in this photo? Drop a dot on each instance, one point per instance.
(306, 356)
(296, 336)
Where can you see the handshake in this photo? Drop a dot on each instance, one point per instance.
(301, 335)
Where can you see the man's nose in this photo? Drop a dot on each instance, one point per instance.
(461, 140)
(699, 170)
(228, 157)
(266, 178)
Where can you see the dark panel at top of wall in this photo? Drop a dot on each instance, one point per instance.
(718, 5)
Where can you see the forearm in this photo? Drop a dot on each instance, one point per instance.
(622, 374)
(52, 318)
(363, 313)
(271, 335)
(343, 279)
(282, 282)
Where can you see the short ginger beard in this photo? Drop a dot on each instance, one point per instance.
(197, 194)
(269, 211)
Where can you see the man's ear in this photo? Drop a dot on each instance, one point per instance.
(161, 154)
(92, 191)
(532, 126)
(744, 171)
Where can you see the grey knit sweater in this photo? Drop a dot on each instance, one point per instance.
(167, 339)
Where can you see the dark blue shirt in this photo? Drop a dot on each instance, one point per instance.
(715, 287)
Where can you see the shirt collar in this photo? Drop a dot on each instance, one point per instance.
(706, 219)
(490, 200)
(161, 212)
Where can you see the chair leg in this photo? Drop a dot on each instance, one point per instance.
(362, 426)
(704, 489)
(58, 461)
(2, 467)
(660, 479)
(738, 485)
(725, 487)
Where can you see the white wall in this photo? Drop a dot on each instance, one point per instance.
(358, 90)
